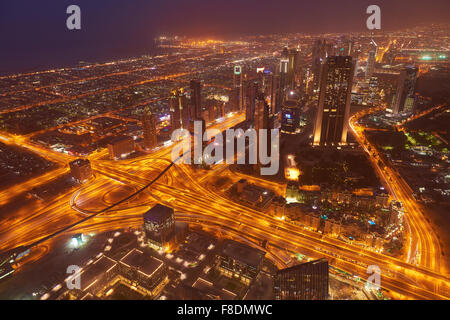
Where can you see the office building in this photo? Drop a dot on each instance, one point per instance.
(292, 68)
(318, 58)
(275, 97)
(178, 109)
(334, 101)
(371, 59)
(238, 88)
(149, 129)
(290, 113)
(240, 261)
(306, 281)
(284, 68)
(81, 170)
(196, 103)
(159, 226)
(251, 90)
(404, 98)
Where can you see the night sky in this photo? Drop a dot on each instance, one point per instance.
(33, 33)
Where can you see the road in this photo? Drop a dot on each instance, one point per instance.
(194, 201)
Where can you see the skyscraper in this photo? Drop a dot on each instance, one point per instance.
(251, 91)
(177, 105)
(238, 88)
(261, 113)
(284, 68)
(403, 100)
(275, 96)
(292, 68)
(196, 103)
(334, 101)
(306, 281)
(149, 129)
(318, 57)
(290, 113)
(371, 58)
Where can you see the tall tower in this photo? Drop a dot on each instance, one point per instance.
(371, 58)
(250, 99)
(284, 68)
(261, 113)
(318, 58)
(334, 101)
(196, 103)
(177, 106)
(404, 97)
(238, 88)
(275, 96)
(149, 129)
(292, 68)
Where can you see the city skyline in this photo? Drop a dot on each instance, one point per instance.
(247, 166)
(36, 38)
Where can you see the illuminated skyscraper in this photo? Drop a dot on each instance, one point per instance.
(262, 113)
(275, 95)
(292, 68)
(177, 106)
(238, 88)
(284, 68)
(149, 129)
(290, 113)
(318, 58)
(404, 99)
(371, 58)
(306, 281)
(334, 101)
(251, 91)
(196, 103)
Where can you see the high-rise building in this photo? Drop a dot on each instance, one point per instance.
(318, 58)
(149, 129)
(238, 88)
(251, 91)
(177, 108)
(290, 113)
(196, 103)
(275, 95)
(371, 58)
(284, 68)
(261, 114)
(404, 99)
(372, 96)
(292, 68)
(334, 101)
(306, 281)
(159, 226)
(81, 170)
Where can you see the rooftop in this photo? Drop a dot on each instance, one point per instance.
(145, 264)
(242, 252)
(95, 271)
(158, 213)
